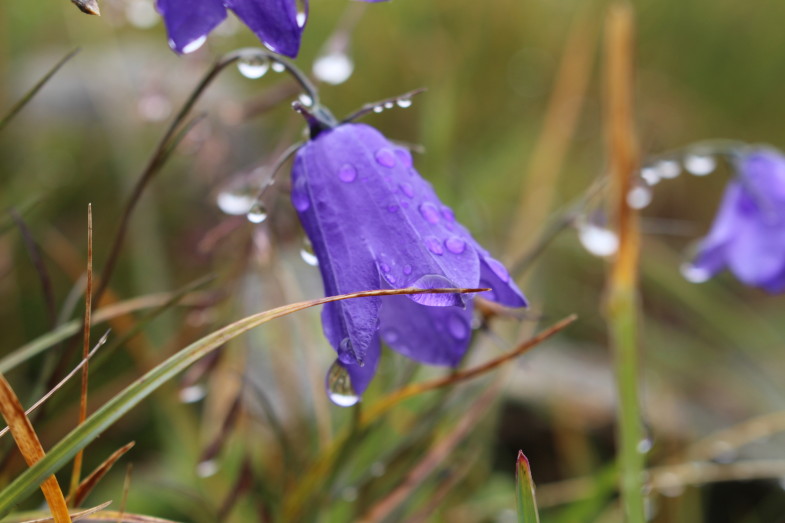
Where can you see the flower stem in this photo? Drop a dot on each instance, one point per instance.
(622, 285)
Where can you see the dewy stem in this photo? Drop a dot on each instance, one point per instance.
(171, 137)
(622, 291)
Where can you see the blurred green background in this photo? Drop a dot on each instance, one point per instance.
(712, 353)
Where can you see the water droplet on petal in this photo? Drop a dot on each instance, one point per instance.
(300, 200)
(384, 267)
(277, 67)
(407, 269)
(434, 245)
(598, 240)
(429, 211)
(235, 204)
(700, 164)
(385, 157)
(694, 274)
(447, 214)
(253, 67)
(307, 254)
(392, 208)
(257, 213)
(639, 197)
(668, 169)
(405, 157)
(333, 68)
(455, 245)
(347, 173)
(435, 281)
(389, 335)
(339, 386)
(403, 103)
(458, 327)
(194, 45)
(407, 189)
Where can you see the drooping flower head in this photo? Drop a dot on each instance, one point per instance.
(277, 23)
(748, 234)
(375, 223)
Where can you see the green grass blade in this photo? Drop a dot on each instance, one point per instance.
(32, 92)
(524, 493)
(132, 395)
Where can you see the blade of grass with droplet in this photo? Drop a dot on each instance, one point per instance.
(524, 491)
(132, 395)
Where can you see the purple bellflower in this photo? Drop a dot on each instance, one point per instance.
(277, 23)
(376, 224)
(748, 234)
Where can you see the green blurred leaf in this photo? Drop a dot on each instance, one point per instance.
(524, 493)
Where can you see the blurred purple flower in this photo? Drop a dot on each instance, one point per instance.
(276, 22)
(375, 224)
(748, 234)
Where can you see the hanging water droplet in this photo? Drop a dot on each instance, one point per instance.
(639, 197)
(378, 109)
(339, 386)
(650, 175)
(257, 213)
(403, 103)
(389, 105)
(141, 13)
(194, 45)
(192, 394)
(333, 68)
(694, 274)
(253, 67)
(278, 67)
(307, 254)
(700, 164)
(306, 100)
(207, 468)
(599, 241)
(644, 446)
(301, 18)
(235, 203)
(668, 169)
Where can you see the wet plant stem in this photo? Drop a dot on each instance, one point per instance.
(172, 136)
(622, 294)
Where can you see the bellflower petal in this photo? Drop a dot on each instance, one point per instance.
(748, 235)
(275, 22)
(432, 335)
(189, 21)
(375, 223)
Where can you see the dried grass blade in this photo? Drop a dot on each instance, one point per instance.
(30, 447)
(89, 483)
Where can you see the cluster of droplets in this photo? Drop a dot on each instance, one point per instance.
(697, 163)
